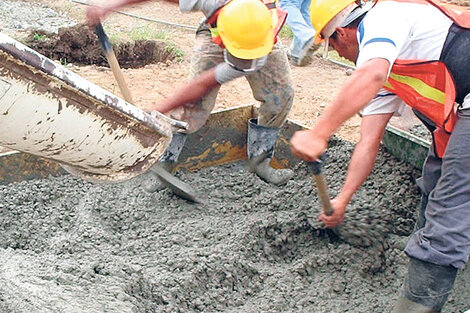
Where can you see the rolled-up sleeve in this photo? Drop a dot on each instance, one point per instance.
(382, 35)
(206, 6)
(224, 73)
(385, 102)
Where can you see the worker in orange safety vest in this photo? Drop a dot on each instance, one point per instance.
(414, 52)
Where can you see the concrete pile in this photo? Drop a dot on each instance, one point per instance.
(70, 246)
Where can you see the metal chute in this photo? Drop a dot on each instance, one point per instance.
(51, 112)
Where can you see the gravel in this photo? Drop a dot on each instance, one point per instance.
(70, 246)
(23, 15)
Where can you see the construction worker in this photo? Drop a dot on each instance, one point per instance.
(415, 52)
(298, 19)
(237, 38)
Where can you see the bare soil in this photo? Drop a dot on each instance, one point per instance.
(79, 45)
(315, 85)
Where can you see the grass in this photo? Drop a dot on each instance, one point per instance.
(176, 51)
(147, 32)
(139, 33)
(286, 32)
(39, 37)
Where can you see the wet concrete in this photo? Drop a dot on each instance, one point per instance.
(421, 131)
(71, 246)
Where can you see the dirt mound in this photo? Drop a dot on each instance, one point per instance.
(79, 45)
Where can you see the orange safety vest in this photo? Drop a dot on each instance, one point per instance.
(279, 14)
(428, 86)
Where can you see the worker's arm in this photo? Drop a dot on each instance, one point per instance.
(192, 91)
(95, 14)
(361, 164)
(358, 90)
(201, 85)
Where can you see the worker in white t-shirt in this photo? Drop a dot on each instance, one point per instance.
(415, 52)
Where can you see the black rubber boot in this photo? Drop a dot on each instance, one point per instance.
(260, 145)
(167, 161)
(426, 288)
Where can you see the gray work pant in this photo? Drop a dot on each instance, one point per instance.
(442, 233)
(271, 85)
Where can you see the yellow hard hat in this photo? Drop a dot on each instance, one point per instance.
(326, 15)
(246, 28)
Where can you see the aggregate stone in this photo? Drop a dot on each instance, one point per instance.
(23, 15)
(71, 246)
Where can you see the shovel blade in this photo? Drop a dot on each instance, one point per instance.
(176, 185)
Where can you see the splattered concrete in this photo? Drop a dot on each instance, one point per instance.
(71, 246)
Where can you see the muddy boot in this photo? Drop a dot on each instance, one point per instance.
(426, 287)
(166, 161)
(260, 143)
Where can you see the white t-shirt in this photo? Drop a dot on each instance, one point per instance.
(404, 31)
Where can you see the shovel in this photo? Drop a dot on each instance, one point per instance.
(358, 235)
(178, 187)
(323, 193)
(322, 186)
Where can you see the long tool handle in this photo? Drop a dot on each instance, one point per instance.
(322, 187)
(113, 62)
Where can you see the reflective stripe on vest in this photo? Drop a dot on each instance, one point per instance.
(427, 86)
(279, 17)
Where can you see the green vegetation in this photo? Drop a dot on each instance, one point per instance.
(176, 51)
(139, 33)
(39, 37)
(147, 32)
(286, 32)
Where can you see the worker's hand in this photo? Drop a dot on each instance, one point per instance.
(307, 146)
(339, 209)
(94, 15)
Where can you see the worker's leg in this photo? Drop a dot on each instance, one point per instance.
(273, 87)
(426, 287)
(205, 55)
(426, 183)
(305, 11)
(442, 246)
(298, 19)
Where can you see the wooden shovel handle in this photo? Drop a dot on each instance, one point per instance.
(323, 194)
(113, 62)
(322, 186)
